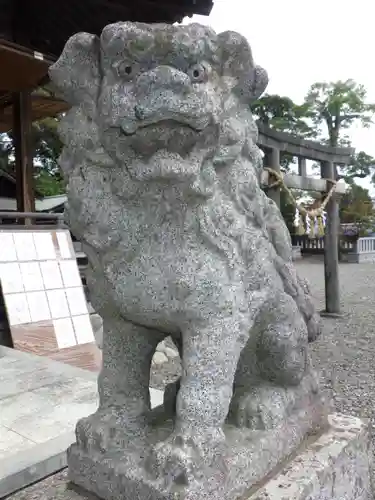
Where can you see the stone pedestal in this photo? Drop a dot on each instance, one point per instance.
(335, 466)
(332, 466)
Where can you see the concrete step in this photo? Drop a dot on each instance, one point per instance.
(40, 403)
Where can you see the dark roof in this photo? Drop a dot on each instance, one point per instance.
(45, 25)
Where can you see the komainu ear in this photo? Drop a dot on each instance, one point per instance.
(257, 82)
(238, 62)
(76, 73)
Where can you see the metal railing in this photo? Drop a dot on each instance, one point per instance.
(316, 245)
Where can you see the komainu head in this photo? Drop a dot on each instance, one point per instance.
(153, 87)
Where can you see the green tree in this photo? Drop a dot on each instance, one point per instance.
(356, 207)
(335, 107)
(338, 105)
(46, 147)
(6, 148)
(361, 166)
(283, 115)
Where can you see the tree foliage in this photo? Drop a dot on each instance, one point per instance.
(282, 114)
(361, 166)
(46, 147)
(6, 148)
(356, 207)
(338, 105)
(335, 107)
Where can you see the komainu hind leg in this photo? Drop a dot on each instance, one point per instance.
(274, 377)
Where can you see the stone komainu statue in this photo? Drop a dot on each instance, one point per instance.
(163, 184)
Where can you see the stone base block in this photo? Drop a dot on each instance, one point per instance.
(336, 466)
(125, 473)
(360, 258)
(333, 464)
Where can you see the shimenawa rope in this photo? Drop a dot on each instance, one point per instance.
(315, 219)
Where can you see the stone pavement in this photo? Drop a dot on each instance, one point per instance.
(40, 403)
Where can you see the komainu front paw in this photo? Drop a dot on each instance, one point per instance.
(108, 429)
(182, 458)
(261, 408)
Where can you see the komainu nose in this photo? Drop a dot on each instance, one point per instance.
(162, 79)
(140, 112)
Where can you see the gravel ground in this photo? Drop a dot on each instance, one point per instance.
(163, 374)
(345, 353)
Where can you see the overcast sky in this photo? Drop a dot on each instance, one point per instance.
(302, 42)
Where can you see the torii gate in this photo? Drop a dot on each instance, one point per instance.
(272, 143)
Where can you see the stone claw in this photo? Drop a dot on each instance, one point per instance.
(91, 432)
(106, 430)
(262, 408)
(182, 458)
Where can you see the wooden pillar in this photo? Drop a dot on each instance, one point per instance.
(331, 241)
(272, 160)
(22, 122)
(302, 170)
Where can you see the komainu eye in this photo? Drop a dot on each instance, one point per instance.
(197, 73)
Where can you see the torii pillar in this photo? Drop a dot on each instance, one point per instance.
(331, 245)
